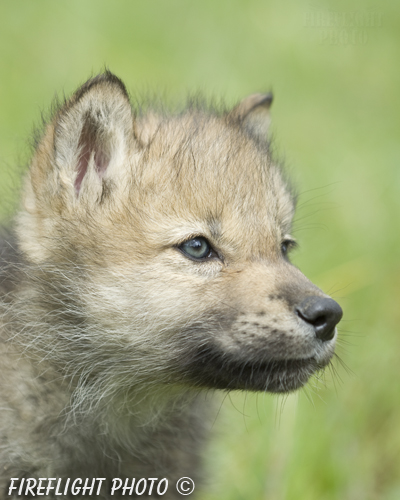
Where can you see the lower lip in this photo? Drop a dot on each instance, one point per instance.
(216, 370)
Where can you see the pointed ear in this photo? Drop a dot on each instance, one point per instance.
(253, 113)
(85, 149)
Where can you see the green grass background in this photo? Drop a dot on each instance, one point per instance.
(337, 122)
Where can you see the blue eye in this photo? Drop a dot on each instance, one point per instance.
(196, 248)
(287, 245)
(284, 248)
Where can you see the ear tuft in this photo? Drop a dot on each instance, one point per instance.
(253, 114)
(104, 79)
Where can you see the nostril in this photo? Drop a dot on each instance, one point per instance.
(322, 313)
(319, 321)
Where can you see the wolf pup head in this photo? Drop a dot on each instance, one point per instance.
(162, 243)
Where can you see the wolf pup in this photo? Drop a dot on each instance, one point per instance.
(148, 265)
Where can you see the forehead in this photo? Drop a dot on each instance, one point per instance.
(205, 169)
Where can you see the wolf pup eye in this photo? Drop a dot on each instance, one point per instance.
(197, 248)
(287, 245)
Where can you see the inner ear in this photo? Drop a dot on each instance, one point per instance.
(91, 148)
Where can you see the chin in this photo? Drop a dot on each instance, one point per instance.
(210, 367)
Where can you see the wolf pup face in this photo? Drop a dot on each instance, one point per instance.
(164, 241)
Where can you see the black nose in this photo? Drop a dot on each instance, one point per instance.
(322, 313)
